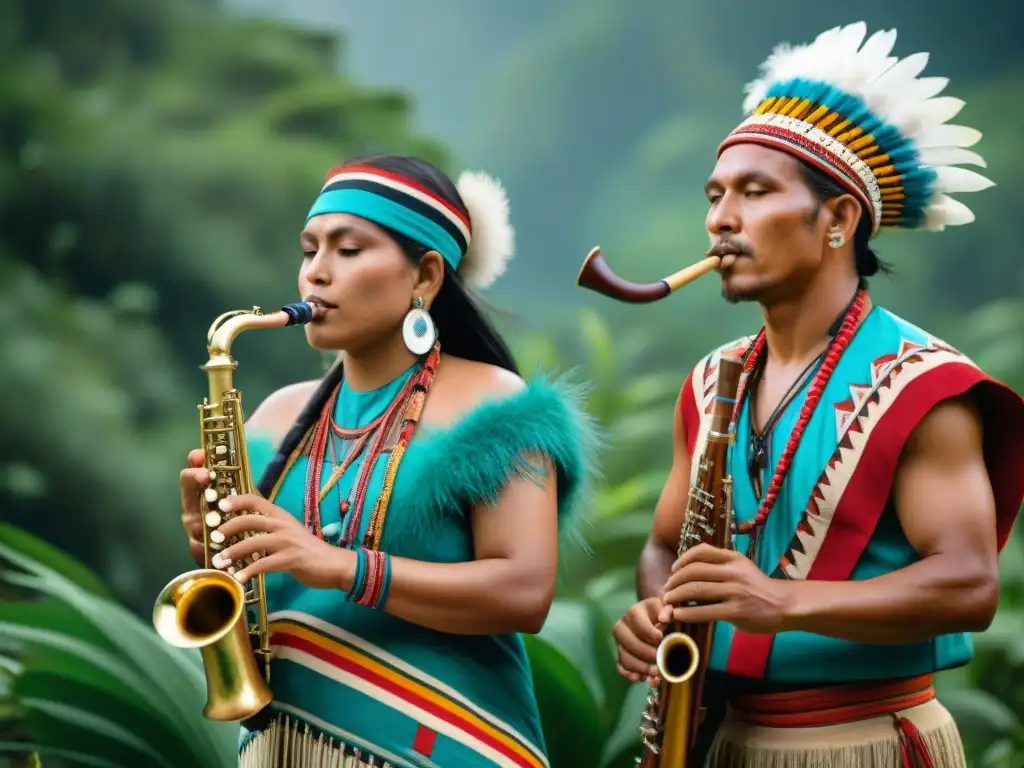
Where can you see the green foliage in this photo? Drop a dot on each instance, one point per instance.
(86, 680)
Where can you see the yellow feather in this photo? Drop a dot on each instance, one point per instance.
(853, 133)
(839, 127)
(862, 142)
(764, 106)
(832, 117)
(801, 109)
(873, 161)
(815, 117)
(791, 102)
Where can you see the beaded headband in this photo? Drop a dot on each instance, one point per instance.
(478, 246)
(867, 120)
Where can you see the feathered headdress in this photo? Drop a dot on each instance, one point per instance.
(868, 120)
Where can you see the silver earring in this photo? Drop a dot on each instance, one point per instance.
(836, 240)
(418, 330)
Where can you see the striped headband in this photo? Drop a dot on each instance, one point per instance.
(844, 105)
(399, 203)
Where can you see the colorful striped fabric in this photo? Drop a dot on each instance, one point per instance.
(436, 710)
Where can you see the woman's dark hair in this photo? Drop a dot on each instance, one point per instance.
(462, 326)
(825, 187)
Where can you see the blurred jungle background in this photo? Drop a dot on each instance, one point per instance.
(156, 162)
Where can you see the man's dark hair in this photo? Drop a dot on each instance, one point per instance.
(825, 187)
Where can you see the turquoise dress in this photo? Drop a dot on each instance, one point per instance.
(834, 503)
(388, 688)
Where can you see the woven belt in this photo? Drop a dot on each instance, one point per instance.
(835, 704)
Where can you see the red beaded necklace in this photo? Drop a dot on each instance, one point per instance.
(835, 351)
(407, 407)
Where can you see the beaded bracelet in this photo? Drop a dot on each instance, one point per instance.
(372, 581)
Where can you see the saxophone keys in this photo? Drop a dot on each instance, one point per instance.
(211, 495)
(213, 519)
(217, 539)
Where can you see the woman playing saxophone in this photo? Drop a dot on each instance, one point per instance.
(410, 501)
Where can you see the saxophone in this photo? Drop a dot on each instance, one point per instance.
(672, 713)
(208, 608)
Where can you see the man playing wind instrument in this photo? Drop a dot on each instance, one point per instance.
(876, 470)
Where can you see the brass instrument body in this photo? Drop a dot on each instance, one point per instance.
(672, 715)
(208, 608)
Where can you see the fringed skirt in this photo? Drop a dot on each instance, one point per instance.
(287, 743)
(897, 725)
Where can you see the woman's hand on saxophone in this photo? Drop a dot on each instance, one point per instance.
(286, 546)
(194, 478)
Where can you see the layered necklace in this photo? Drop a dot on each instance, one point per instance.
(841, 337)
(368, 441)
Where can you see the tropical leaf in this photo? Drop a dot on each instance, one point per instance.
(570, 716)
(91, 679)
(39, 551)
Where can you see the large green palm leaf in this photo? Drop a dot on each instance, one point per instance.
(88, 680)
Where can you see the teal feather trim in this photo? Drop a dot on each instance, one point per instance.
(448, 471)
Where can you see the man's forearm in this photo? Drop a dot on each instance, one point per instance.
(654, 569)
(929, 598)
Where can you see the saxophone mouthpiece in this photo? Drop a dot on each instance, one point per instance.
(303, 312)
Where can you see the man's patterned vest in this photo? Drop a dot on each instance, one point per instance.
(833, 519)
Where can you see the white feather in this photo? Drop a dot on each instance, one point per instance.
(936, 156)
(913, 117)
(946, 212)
(960, 180)
(878, 47)
(948, 136)
(492, 242)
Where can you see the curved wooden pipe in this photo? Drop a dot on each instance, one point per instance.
(596, 275)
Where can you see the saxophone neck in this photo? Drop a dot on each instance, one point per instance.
(225, 329)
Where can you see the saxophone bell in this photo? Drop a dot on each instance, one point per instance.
(677, 658)
(205, 609)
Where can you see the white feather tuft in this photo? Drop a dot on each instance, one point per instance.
(493, 238)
